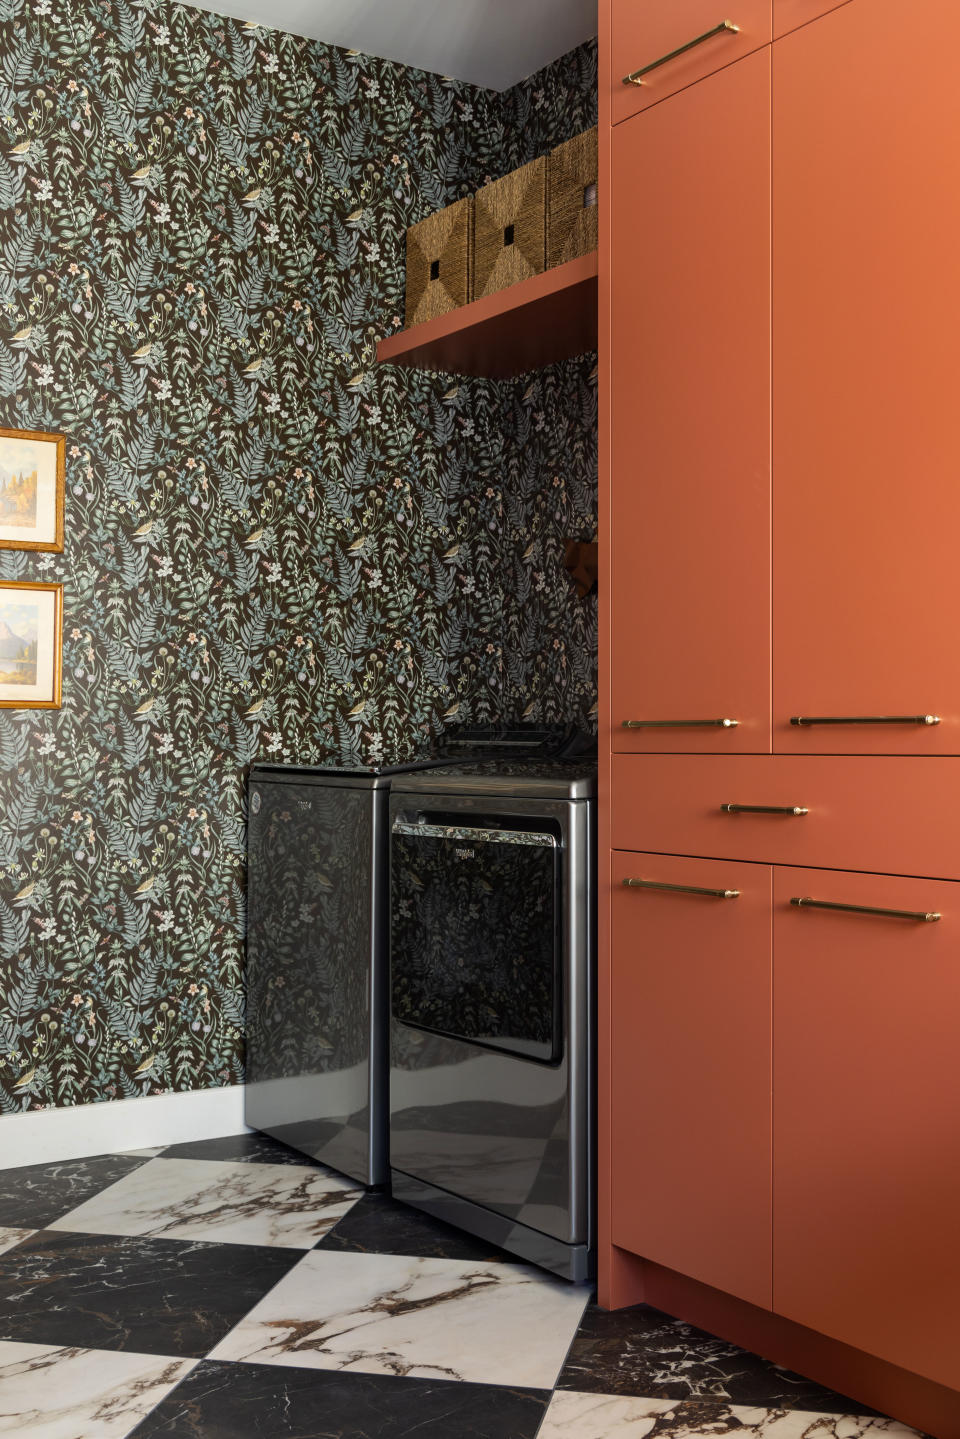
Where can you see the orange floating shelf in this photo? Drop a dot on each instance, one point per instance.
(534, 323)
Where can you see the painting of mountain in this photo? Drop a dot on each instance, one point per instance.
(19, 626)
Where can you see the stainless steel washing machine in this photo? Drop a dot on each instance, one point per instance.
(493, 870)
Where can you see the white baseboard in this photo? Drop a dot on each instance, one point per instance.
(47, 1135)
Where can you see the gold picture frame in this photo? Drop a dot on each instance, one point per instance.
(31, 644)
(32, 484)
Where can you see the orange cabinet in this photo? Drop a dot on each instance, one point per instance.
(867, 1100)
(869, 812)
(790, 14)
(690, 396)
(691, 1065)
(662, 47)
(866, 212)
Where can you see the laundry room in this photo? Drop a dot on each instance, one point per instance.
(475, 933)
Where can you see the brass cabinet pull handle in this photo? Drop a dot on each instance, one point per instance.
(763, 809)
(726, 27)
(681, 888)
(681, 724)
(864, 719)
(924, 916)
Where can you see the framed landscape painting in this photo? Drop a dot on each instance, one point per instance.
(31, 634)
(32, 467)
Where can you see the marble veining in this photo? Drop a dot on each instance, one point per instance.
(641, 1351)
(219, 1200)
(63, 1393)
(38, 1194)
(10, 1237)
(251, 1148)
(151, 1296)
(573, 1415)
(258, 1401)
(432, 1318)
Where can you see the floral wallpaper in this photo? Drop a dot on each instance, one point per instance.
(274, 549)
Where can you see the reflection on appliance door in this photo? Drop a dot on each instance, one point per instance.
(476, 934)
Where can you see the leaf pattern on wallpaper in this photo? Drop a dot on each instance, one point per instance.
(274, 548)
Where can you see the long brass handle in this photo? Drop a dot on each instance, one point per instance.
(764, 809)
(681, 724)
(924, 916)
(864, 719)
(726, 27)
(681, 888)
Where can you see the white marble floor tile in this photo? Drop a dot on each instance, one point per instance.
(573, 1415)
(52, 1393)
(10, 1237)
(431, 1318)
(222, 1201)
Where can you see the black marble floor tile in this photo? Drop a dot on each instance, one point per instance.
(249, 1148)
(378, 1224)
(40, 1193)
(261, 1401)
(152, 1296)
(647, 1354)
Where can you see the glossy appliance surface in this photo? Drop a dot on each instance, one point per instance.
(491, 1084)
(318, 944)
(317, 964)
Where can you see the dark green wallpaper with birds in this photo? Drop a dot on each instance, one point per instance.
(273, 548)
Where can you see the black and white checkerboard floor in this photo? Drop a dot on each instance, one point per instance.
(232, 1288)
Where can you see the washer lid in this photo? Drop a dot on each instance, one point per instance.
(516, 779)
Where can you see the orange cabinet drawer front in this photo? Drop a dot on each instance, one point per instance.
(648, 32)
(867, 1110)
(893, 815)
(791, 14)
(690, 1065)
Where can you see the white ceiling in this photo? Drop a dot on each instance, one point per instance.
(493, 43)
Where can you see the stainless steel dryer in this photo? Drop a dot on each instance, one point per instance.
(492, 1003)
(317, 944)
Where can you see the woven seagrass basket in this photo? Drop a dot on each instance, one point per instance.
(510, 229)
(439, 263)
(572, 199)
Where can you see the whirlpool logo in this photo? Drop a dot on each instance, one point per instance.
(465, 853)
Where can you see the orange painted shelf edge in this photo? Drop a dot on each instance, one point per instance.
(533, 323)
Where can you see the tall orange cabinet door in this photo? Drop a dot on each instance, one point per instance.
(789, 14)
(691, 1068)
(866, 323)
(867, 1115)
(690, 396)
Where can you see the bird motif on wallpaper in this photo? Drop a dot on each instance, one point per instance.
(356, 546)
(256, 707)
(25, 1079)
(357, 710)
(24, 894)
(146, 885)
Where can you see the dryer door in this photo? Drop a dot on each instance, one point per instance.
(476, 933)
